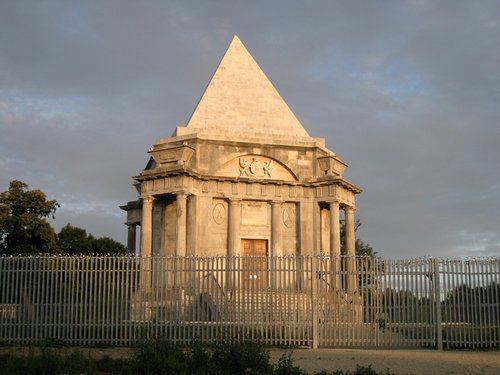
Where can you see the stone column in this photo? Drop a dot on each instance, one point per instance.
(132, 234)
(335, 243)
(276, 228)
(233, 235)
(350, 243)
(147, 226)
(192, 247)
(146, 243)
(180, 226)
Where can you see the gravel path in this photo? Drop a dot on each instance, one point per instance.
(418, 362)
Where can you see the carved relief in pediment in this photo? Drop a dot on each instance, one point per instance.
(256, 167)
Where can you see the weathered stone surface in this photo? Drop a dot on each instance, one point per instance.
(240, 98)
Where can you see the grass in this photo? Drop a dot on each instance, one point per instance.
(161, 357)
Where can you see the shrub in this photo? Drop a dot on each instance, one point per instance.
(286, 367)
(245, 358)
(157, 357)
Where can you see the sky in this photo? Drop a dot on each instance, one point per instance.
(406, 92)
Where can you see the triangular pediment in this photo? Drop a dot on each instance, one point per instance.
(241, 99)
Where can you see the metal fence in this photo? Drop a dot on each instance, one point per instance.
(304, 301)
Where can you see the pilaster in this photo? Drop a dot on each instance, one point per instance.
(276, 229)
(234, 236)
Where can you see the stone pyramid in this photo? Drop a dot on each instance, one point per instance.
(241, 99)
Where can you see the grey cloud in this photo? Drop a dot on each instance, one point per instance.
(406, 92)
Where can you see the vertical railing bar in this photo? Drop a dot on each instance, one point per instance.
(113, 300)
(15, 272)
(444, 272)
(437, 292)
(458, 303)
(50, 292)
(472, 266)
(488, 303)
(45, 273)
(118, 300)
(468, 296)
(484, 322)
(74, 297)
(491, 301)
(5, 281)
(37, 301)
(58, 303)
(63, 322)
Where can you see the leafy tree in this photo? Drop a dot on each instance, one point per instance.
(106, 245)
(74, 240)
(24, 228)
(361, 248)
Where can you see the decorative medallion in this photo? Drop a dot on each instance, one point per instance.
(255, 168)
(219, 213)
(288, 216)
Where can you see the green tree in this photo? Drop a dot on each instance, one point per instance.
(106, 245)
(362, 248)
(76, 241)
(24, 228)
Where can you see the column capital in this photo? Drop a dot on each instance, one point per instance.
(181, 193)
(333, 202)
(349, 209)
(148, 199)
(234, 200)
(277, 202)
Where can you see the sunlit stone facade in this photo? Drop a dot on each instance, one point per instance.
(243, 177)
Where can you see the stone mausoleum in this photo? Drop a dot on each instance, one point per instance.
(243, 177)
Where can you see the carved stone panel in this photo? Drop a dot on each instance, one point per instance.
(289, 216)
(219, 213)
(255, 167)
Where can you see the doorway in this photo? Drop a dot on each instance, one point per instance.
(254, 263)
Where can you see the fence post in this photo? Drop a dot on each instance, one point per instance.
(314, 302)
(437, 302)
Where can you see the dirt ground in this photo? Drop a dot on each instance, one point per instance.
(401, 362)
(418, 362)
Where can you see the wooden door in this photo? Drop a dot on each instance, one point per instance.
(254, 263)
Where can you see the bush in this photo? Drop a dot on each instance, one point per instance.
(286, 366)
(157, 357)
(160, 357)
(245, 358)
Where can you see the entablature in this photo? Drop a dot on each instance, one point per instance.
(245, 188)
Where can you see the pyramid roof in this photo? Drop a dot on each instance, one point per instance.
(241, 99)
